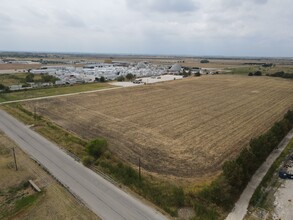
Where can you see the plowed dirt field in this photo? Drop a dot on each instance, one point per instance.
(183, 128)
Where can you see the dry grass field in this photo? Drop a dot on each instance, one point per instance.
(19, 201)
(8, 66)
(184, 128)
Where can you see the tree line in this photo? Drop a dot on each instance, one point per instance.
(226, 189)
(281, 74)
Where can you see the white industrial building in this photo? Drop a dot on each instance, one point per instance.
(92, 72)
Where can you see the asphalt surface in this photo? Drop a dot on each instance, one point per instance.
(101, 196)
(241, 205)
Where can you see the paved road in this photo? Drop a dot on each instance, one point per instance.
(102, 197)
(241, 205)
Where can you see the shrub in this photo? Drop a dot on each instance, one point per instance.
(48, 78)
(102, 79)
(204, 212)
(258, 73)
(29, 77)
(4, 88)
(120, 78)
(97, 147)
(178, 195)
(129, 76)
(87, 160)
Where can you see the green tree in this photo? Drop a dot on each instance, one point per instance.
(120, 78)
(234, 174)
(2, 87)
(87, 160)
(258, 73)
(48, 78)
(129, 76)
(102, 79)
(97, 147)
(29, 77)
(204, 61)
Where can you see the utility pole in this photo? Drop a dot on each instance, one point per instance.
(139, 174)
(14, 159)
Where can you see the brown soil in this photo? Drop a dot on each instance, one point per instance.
(184, 128)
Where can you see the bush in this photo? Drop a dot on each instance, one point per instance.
(204, 212)
(129, 76)
(250, 74)
(178, 195)
(102, 79)
(48, 78)
(120, 78)
(87, 160)
(29, 77)
(204, 61)
(282, 74)
(4, 88)
(257, 73)
(197, 74)
(97, 147)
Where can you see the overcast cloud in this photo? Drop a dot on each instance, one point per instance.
(179, 27)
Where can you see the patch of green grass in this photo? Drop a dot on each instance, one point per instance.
(203, 212)
(63, 138)
(243, 70)
(51, 91)
(25, 202)
(15, 200)
(12, 79)
(4, 150)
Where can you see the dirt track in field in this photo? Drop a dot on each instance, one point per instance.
(185, 128)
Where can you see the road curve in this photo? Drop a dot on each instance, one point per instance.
(101, 196)
(241, 205)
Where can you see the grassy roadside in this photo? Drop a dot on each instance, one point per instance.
(18, 200)
(165, 195)
(270, 181)
(51, 91)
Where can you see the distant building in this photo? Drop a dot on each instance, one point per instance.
(175, 69)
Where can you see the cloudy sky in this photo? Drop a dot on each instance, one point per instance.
(171, 27)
